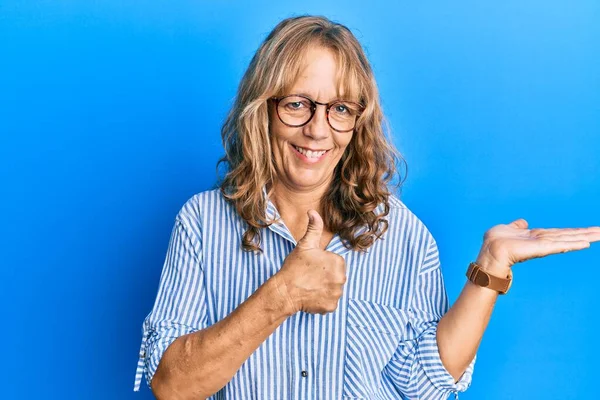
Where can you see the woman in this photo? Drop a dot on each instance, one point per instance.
(303, 277)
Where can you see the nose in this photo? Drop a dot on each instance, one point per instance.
(318, 128)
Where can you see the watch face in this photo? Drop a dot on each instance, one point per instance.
(482, 279)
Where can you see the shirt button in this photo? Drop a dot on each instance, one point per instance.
(304, 374)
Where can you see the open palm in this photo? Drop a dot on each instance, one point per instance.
(511, 243)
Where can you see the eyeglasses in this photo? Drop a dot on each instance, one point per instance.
(297, 110)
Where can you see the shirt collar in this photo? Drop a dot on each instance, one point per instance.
(336, 245)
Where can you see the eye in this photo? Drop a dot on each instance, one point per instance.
(341, 109)
(295, 104)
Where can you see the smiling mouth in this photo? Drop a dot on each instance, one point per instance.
(309, 153)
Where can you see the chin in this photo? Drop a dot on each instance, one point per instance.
(306, 183)
(306, 180)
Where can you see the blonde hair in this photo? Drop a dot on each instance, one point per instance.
(368, 164)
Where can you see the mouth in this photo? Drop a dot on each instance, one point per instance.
(308, 154)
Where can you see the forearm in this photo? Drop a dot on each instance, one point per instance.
(460, 330)
(199, 364)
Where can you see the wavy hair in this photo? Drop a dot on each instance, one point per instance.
(369, 163)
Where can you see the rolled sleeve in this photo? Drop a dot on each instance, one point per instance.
(416, 368)
(429, 359)
(180, 305)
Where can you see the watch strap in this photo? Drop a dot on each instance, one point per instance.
(484, 279)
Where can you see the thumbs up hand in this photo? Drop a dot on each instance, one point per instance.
(311, 279)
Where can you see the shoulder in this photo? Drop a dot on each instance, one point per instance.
(403, 217)
(198, 204)
(202, 205)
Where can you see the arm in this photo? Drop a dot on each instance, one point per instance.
(184, 358)
(224, 346)
(461, 329)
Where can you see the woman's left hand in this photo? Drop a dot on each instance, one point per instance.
(505, 245)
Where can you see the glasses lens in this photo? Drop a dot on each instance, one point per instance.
(342, 115)
(294, 110)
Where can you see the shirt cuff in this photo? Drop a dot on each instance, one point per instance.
(154, 345)
(429, 358)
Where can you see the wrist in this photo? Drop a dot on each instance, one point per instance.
(279, 292)
(493, 278)
(493, 266)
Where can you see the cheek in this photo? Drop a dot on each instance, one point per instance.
(275, 138)
(274, 127)
(278, 132)
(343, 142)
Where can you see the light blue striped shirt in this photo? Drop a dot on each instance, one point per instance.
(380, 343)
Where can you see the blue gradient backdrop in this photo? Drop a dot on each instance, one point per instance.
(109, 121)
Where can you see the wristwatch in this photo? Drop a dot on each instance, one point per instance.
(481, 278)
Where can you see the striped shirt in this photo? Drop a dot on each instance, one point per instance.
(380, 343)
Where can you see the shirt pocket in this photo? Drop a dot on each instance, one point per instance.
(374, 332)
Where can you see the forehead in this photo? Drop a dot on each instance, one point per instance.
(323, 73)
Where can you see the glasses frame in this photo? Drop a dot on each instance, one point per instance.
(313, 109)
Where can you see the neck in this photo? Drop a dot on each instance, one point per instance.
(293, 204)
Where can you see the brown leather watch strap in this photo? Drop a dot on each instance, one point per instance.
(482, 278)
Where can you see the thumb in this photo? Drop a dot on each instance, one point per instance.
(520, 223)
(312, 237)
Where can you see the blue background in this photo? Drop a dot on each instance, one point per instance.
(109, 121)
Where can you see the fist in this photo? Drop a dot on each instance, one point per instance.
(311, 279)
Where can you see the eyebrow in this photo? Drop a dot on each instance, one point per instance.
(310, 96)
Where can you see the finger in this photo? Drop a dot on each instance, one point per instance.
(314, 230)
(591, 229)
(590, 237)
(556, 246)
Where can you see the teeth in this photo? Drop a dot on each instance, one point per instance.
(309, 153)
